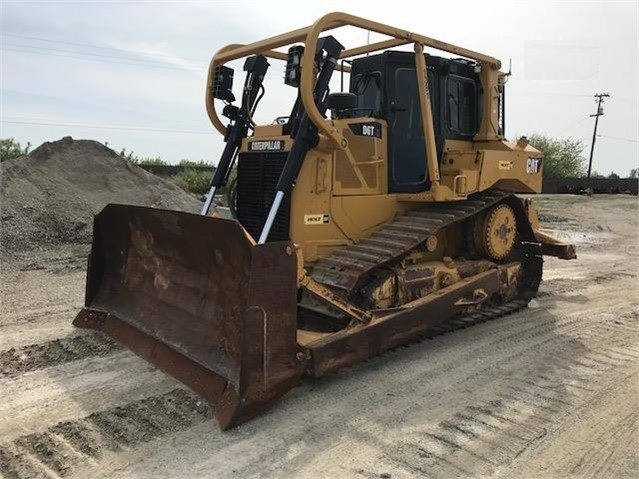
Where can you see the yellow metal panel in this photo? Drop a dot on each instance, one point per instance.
(359, 216)
(369, 153)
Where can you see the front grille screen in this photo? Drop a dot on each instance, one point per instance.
(257, 176)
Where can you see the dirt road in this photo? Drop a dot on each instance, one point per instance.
(550, 391)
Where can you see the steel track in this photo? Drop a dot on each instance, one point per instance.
(347, 269)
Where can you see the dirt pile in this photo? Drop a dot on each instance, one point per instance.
(51, 195)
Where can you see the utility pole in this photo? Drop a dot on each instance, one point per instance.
(600, 99)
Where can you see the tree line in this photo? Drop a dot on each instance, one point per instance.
(563, 158)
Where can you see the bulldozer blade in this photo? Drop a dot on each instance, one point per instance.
(197, 298)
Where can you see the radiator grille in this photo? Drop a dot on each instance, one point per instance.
(257, 176)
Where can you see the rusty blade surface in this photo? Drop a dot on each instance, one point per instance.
(194, 296)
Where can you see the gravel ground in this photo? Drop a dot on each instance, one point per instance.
(51, 195)
(550, 391)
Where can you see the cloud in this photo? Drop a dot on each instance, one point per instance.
(144, 64)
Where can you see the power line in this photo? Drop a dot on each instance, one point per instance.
(541, 94)
(89, 45)
(110, 127)
(573, 125)
(618, 138)
(75, 52)
(132, 62)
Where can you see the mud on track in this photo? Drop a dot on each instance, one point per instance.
(548, 391)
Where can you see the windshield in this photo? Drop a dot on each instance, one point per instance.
(369, 95)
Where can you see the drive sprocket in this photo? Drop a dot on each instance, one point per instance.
(495, 235)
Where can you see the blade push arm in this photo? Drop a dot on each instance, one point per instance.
(255, 67)
(306, 136)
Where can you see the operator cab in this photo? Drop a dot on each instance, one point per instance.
(385, 86)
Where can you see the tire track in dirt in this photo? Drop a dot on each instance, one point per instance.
(602, 441)
(498, 430)
(501, 423)
(562, 285)
(613, 436)
(36, 315)
(66, 445)
(17, 361)
(507, 419)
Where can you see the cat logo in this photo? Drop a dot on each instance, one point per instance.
(533, 165)
(316, 219)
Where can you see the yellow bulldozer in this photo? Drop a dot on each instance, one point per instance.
(363, 219)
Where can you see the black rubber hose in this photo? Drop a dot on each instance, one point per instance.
(231, 197)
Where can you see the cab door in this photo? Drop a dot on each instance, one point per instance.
(408, 166)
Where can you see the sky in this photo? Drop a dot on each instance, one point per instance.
(133, 74)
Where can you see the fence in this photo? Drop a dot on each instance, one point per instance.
(550, 185)
(598, 185)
